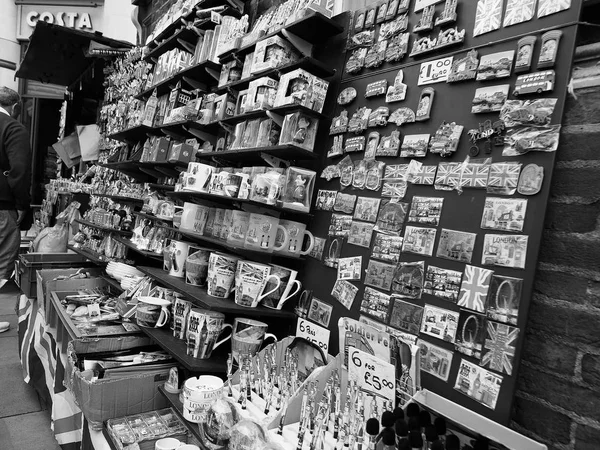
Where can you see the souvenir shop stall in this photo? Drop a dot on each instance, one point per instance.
(312, 231)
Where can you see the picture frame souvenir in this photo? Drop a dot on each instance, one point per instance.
(389, 145)
(499, 347)
(345, 293)
(456, 245)
(319, 312)
(376, 304)
(425, 22)
(503, 178)
(344, 203)
(325, 200)
(387, 247)
(478, 384)
(518, 11)
(549, 49)
(470, 334)
(408, 279)
(379, 275)
(356, 62)
(401, 116)
(425, 103)
(349, 268)
(505, 250)
(372, 144)
(488, 16)
(332, 251)
(448, 14)
(337, 147)
(442, 283)
(391, 217)
(406, 316)
(548, 7)
(495, 65)
(361, 233)
(339, 124)
(489, 99)
(525, 48)
(531, 180)
(366, 209)
(426, 210)
(440, 323)
(414, 146)
(376, 88)
(396, 92)
(346, 97)
(397, 48)
(419, 240)
(464, 69)
(435, 360)
(504, 299)
(445, 140)
(504, 214)
(340, 225)
(474, 288)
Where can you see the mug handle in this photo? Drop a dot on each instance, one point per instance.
(269, 335)
(225, 325)
(311, 243)
(163, 318)
(286, 236)
(264, 294)
(283, 300)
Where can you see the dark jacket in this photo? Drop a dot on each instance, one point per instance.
(15, 164)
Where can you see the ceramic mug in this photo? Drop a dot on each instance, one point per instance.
(152, 312)
(181, 312)
(194, 217)
(196, 266)
(178, 253)
(262, 231)
(231, 184)
(168, 444)
(248, 336)
(250, 281)
(199, 177)
(289, 287)
(178, 212)
(238, 229)
(221, 274)
(292, 245)
(204, 327)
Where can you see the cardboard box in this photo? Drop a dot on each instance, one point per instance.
(271, 53)
(261, 94)
(163, 147)
(300, 87)
(181, 152)
(112, 397)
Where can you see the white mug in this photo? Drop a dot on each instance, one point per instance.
(199, 177)
(152, 312)
(250, 281)
(221, 274)
(168, 444)
(240, 221)
(194, 217)
(289, 287)
(178, 252)
(292, 245)
(262, 231)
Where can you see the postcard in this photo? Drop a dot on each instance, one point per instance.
(360, 233)
(387, 247)
(505, 250)
(349, 268)
(340, 225)
(440, 323)
(332, 251)
(489, 99)
(426, 210)
(344, 292)
(435, 360)
(375, 303)
(317, 250)
(406, 316)
(474, 288)
(320, 312)
(470, 334)
(478, 383)
(496, 65)
(391, 217)
(344, 203)
(499, 347)
(325, 200)
(504, 299)
(367, 209)
(414, 146)
(408, 280)
(505, 214)
(456, 245)
(442, 283)
(379, 275)
(419, 240)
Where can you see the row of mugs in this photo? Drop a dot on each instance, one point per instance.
(249, 230)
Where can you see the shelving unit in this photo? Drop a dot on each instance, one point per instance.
(175, 41)
(151, 217)
(92, 256)
(280, 111)
(254, 155)
(127, 243)
(103, 228)
(133, 134)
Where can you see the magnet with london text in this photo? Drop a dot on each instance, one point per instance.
(356, 61)
(372, 143)
(376, 88)
(402, 115)
(464, 68)
(390, 29)
(425, 23)
(389, 145)
(346, 96)
(382, 11)
(360, 119)
(397, 92)
(531, 180)
(525, 54)
(339, 124)
(403, 6)
(337, 148)
(549, 50)
(448, 15)
(425, 102)
(392, 10)
(376, 55)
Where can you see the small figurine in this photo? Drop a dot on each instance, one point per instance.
(464, 68)
(448, 14)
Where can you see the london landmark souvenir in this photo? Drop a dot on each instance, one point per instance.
(339, 124)
(340, 225)
(356, 62)
(367, 209)
(374, 174)
(354, 144)
(488, 16)
(426, 210)
(376, 88)
(387, 247)
(346, 96)
(440, 323)
(401, 116)
(470, 334)
(504, 299)
(448, 14)
(337, 148)
(381, 11)
(359, 121)
(376, 54)
(495, 65)
(349, 268)
(319, 312)
(531, 180)
(474, 288)
(548, 7)
(519, 11)
(359, 23)
(397, 48)
(333, 250)
(423, 45)
(442, 283)
(528, 112)
(456, 245)
(360, 233)
(499, 347)
(489, 99)
(392, 10)
(505, 250)
(503, 178)
(379, 117)
(325, 200)
(425, 22)
(406, 316)
(414, 146)
(425, 104)
(449, 37)
(390, 29)
(549, 50)
(521, 140)
(436, 361)
(396, 92)
(379, 275)
(534, 83)
(389, 145)
(370, 17)
(419, 240)
(464, 68)
(344, 203)
(478, 383)
(375, 304)
(525, 54)
(344, 292)
(505, 214)
(408, 280)
(445, 140)
(391, 217)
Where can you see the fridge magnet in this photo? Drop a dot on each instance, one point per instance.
(344, 203)
(456, 245)
(519, 11)
(470, 334)
(340, 225)
(359, 23)
(354, 144)
(370, 17)
(440, 323)
(397, 48)
(445, 140)
(381, 12)
(528, 112)
(332, 251)
(387, 247)
(330, 172)
(534, 83)
(391, 217)
(379, 117)
(359, 180)
(503, 178)
(344, 292)
(376, 55)
(393, 28)
(396, 172)
(504, 299)
(448, 176)
(320, 312)
(396, 92)
(425, 103)
(394, 189)
(360, 119)
(464, 68)
(477, 383)
(426, 210)
(408, 279)
(318, 248)
(496, 65)
(389, 145)
(349, 268)
(375, 304)
(475, 173)
(448, 15)
(504, 250)
(376, 88)
(401, 116)
(436, 71)
(414, 146)
(346, 97)
(346, 172)
(425, 22)
(499, 347)
(488, 16)
(406, 316)
(525, 54)
(451, 36)
(337, 147)
(548, 7)
(325, 200)
(339, 124)
(360, 233)
(356, 62)
(392, 10)
(504, 214)
(379, 275)
(372, 143)
(435, 360)
(549, 50)
(519, 141)
(423, 45)
(474, 288)
(424, 175)
(531, 180)
(489, 99)
(403, 6)
(442, 283)
(419, 240)
(374, 174)
(366, 209)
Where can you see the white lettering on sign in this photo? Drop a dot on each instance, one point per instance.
(313, 333)
(66, 19)
(372, 375)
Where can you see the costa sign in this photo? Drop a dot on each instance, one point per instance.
(78, 17)
(80, 21)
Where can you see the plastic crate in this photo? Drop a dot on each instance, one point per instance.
(27, 265)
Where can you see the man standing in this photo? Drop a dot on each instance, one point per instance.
(15, 183)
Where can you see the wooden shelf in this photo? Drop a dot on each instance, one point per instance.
(280, 110)
(120, 198)
(182, 129)
(199, 296)
(287, 152)
(175, 403)
(92, 256)
(103, 228)
(178, 349)
(132, 246)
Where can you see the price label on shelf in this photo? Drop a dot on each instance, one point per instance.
(313, 333)
(372, 374)
(435, 71)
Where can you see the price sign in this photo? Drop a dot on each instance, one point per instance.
(313, 333)
(372, 374)
(435, 71)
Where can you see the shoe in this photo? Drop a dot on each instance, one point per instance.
(4, 326)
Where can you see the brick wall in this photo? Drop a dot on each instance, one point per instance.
(154, 11)
(558, 391)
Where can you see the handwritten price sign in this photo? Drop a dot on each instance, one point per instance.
(313, 333)
(435, 71)
(371, 373)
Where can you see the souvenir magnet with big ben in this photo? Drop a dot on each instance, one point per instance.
(370, 17)
(525, 54)
(376, 54)
(339, 124)
(549, 50)
(448, 15)
(397, 92)
(425, 23)
(397, 48)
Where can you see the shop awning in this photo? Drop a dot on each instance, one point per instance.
(58, 54)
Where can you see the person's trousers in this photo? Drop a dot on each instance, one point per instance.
(10, 241)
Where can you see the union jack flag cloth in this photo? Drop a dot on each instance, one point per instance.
(474, 288)
(448, 174)
(395, 172)
(518, 11)
(499, 347)
(504, 176)
(488, 17)
(475, 175)
(425, 175)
